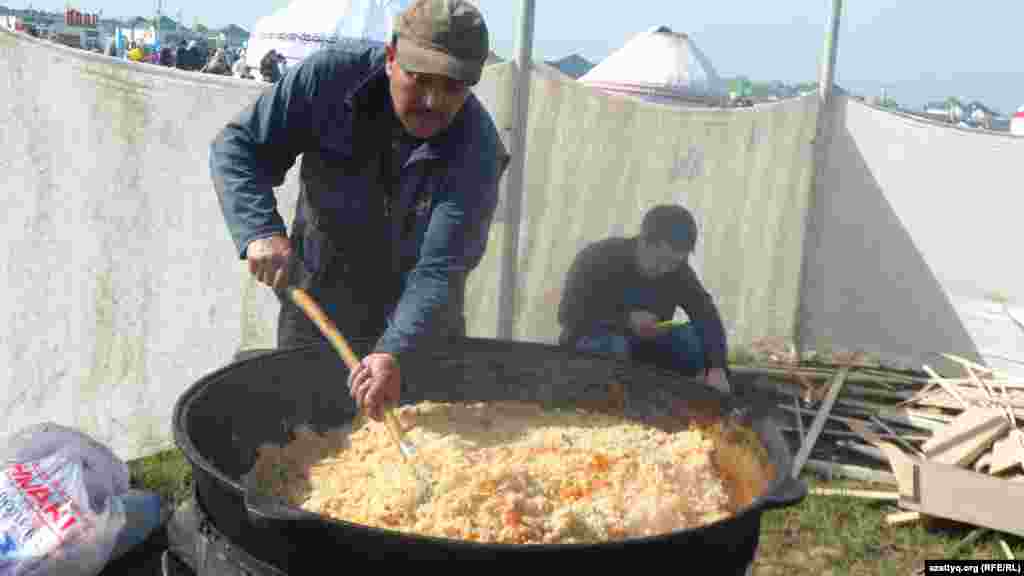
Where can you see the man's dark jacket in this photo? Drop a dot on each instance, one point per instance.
(388, 256)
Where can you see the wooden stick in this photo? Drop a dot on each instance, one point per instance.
(899, 518)
(948, 388)
(843, 419)
(855, 390)
(819, 422)
(967, 363)
(799, 419)
(1006, 550)
(1002, 382)
(869, 451)
(919, 395)
(969, 539)
(866, 494)
(913, 449)
(852, 472)
(902, 417)
(326, 326)
(846, 434)
(824, 374)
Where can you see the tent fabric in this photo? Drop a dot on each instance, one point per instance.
(1017, 122)
(659, 65)
(305, 26)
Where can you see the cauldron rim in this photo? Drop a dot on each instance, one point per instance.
(198, 460)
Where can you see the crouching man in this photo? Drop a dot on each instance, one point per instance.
(621, 293)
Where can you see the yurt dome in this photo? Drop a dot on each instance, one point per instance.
(305, 26)
(662, 66)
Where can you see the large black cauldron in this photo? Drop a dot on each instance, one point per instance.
(222, 418)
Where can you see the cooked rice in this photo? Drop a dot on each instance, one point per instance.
(504, 472)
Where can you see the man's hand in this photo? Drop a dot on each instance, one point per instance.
(716, 379)
(643, 323)
(376, 382)
(268, 260)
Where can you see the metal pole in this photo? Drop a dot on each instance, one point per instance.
(827, 78)
(813, 219)
(514, 180)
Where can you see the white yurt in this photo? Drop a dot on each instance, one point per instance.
(305, 26)
(1017, 122)
(660, 66)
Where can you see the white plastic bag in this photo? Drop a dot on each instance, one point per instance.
(60, 513)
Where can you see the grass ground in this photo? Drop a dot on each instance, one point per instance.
(843, 535)
(824, 535)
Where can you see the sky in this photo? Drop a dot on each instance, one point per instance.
(916, 51)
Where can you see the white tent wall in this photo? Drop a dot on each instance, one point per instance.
(918, 252)
(596, 162)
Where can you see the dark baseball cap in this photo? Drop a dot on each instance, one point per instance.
(446, 37)
(673, 224)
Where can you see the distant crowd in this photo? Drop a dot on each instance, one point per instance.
(197, 57)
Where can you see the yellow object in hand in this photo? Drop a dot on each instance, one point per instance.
(671, 323)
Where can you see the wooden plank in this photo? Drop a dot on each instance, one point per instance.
(984, 462)
(967, 437)
(866, 494)
(900, 518)
(973, 397)
(852, 472)
(941, 490)
(819, 421)
(1008, 452)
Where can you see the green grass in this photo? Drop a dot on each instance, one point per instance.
(823, 535)
(846, 535)
(167, 473)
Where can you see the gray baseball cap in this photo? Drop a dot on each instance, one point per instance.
(446, 37)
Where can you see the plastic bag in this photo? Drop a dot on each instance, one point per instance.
(60, 513)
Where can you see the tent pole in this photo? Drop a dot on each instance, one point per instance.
(812, 222)
(520, 102)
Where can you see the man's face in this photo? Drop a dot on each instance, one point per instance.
(426, 104)
(657, 258)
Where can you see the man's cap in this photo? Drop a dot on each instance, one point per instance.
(446, 37)
(671, 223)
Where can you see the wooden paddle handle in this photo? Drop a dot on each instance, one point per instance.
(317, 315)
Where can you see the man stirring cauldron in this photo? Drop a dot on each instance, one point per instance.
(619, 290)
(398, 186)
